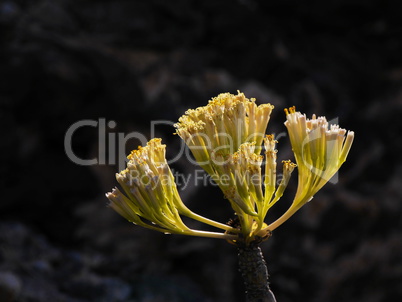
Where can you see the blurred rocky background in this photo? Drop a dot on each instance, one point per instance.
(122, 64)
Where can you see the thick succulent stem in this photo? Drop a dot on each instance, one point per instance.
(255, 274)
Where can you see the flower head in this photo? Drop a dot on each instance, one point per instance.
(320, 149)
(150, 197)
(221, 127)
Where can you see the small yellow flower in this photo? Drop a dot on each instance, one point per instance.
(270, 176)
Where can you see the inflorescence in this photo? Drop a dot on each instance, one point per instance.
(226, 138)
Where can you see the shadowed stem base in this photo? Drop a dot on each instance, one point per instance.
(254, 271)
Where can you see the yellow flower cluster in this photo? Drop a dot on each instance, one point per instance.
(150, 196)
(218, 129)
(226, 138)
(320, 149)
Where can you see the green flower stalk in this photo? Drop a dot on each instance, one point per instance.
(226, 138)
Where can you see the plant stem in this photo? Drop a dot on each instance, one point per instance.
(187, 212)
(210, 235)
(255, 274)
(293, 209)
(213, 223)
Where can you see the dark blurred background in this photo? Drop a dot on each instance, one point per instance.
(132, 62)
